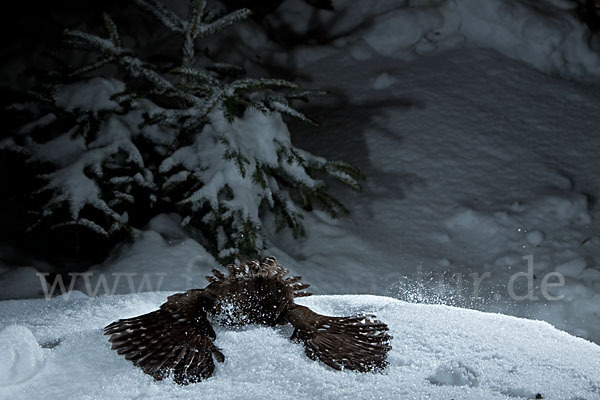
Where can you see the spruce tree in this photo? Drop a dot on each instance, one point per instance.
(121, 139)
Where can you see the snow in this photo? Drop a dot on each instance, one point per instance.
(21, 357)
(544, 34)
(383, 81)
(161, 259)
(464, 159)
(91, 95)
(475, 158)
(256, 137)
(19, 282)
(454, 373)
(476, 125)
(438, 352)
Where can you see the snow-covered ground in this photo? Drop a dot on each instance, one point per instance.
(480, 149)
(56, 349)
(476, 124)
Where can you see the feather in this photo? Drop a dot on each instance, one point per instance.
(357, 343)
(174, 340)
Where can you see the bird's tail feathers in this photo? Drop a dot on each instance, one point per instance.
(358, 343)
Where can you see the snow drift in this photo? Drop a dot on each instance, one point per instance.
(438, 352)
(544, 34)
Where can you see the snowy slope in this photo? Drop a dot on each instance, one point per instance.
(477, 125)
(473, 162)
(55, 349)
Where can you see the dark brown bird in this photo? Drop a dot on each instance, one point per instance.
(178, 339)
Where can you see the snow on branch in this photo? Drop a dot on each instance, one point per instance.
(197, 139)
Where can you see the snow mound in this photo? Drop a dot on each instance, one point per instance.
(438, 352)
(20, 356)
(544, 34)
(19, 283)
(454, 373)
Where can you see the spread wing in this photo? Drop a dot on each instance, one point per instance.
(358, 343)
(175, 340)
